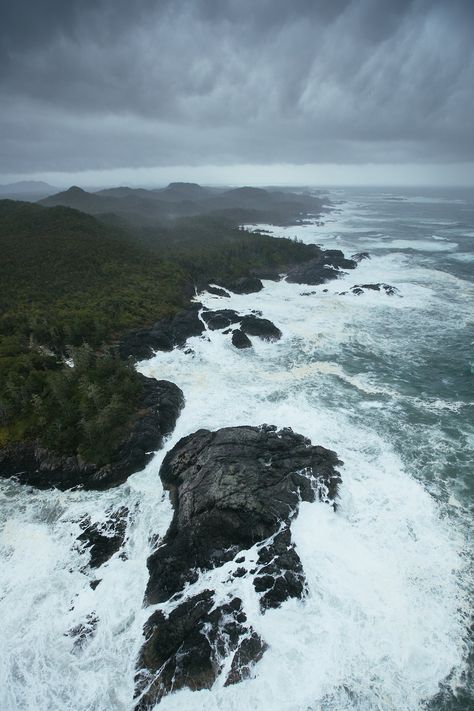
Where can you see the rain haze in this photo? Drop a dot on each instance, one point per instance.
(101, 92)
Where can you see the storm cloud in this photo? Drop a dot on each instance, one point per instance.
(107, 84)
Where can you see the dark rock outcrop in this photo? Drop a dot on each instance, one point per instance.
(244, 285)
(223, 318)
(104, 539)
(30, 463)
(359, 256)
(387, 288)
(187, 648)
(323, 267)
(231, 489)
(164, 335)
(250, 324)
(240, 339)
(335, 258)
(313, 272)
(216, 291)
(281, 574)
(255, 326)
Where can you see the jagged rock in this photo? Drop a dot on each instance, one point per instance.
(323, 267)
(30, 463)
(222, 318)
(217, 291)
(249, 652)
(359, 256)
(282, 575)
(186, 649)
(271, 273)
(250, 324)
(255, 326)
(335, 258)
(164, 335)
(240, 339)
(105, 538)
(186, 323)
(244, 285)
(84, 631)
(230, 489)
(387, 288)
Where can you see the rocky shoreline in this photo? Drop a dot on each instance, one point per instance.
(234, 494)
(32, 464)
(166, 334)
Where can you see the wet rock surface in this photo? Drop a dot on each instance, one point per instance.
(359, 289)
(244, 285)
(281, 574)
(222, 318)
(188, 648)
(234, 491)
(325, 266)
(30, 463)
(251, 324)
(217, 291)
(164, 335)
(360, 256)
(262, 327)
(230, 489)
(240, 339)
(104, 539)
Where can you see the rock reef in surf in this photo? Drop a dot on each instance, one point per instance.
(359, 289)
(240, 339)
(234, 493)
(325, 266)
(161, 404)
(103, 539)
(166, 334)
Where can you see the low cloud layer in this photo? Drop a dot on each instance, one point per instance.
(98, 85)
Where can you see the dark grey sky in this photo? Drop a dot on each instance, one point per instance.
(116, 85)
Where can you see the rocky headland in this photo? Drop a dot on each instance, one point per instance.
(234, 493)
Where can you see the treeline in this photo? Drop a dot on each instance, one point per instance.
(71, 285)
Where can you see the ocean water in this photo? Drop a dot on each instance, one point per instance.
(385, 381)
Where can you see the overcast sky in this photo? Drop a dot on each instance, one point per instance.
(263, 91)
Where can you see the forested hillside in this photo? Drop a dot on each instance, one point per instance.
(71, 285)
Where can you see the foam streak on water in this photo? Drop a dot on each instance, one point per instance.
(385, 619)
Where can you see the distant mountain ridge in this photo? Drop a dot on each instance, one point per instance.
(138, 206)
